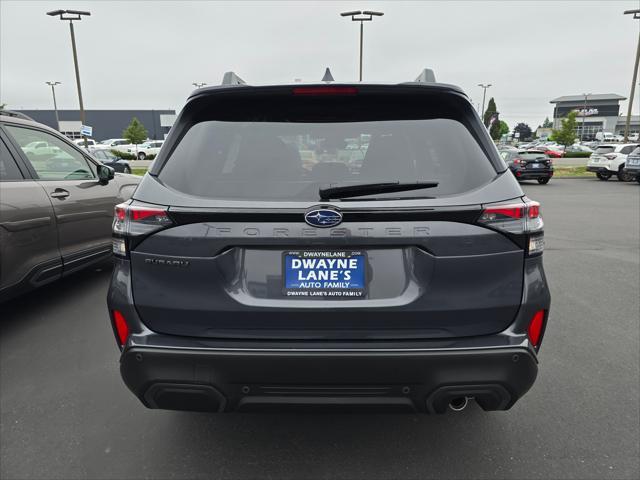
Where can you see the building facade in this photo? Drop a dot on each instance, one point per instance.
(596, 113)
(106, 123)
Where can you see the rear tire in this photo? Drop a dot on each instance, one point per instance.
(603, 176)
(544, 180)
(638, 179)
(624, 176)
(141, 156)
(127, 169)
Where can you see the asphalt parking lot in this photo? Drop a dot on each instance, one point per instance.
(64, 412)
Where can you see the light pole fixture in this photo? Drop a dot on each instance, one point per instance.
(358, 16)
(198, 84)
(70, 16)
(53, 84)
(484, 95)
(584, 116)
(636, 16)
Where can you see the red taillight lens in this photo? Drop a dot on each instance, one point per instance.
(610, 156)
(121, 327)
(535, 328)
(518, 219)
(328, 90)
(134, 221)
(517, 161)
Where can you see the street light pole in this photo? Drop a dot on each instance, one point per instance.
(55, 105)
(358, 16)
(584, 116)
(71, 15)
(636, 16)
(484, 95)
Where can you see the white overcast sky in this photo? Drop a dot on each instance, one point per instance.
(144, 54)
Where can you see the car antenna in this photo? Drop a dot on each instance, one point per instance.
(327, 76)
(230, 78)
(426, 76)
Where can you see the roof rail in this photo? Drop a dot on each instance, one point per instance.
(230, 78)
(11, 113)
(426, 76)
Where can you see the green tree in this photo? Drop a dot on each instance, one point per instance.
(491, 109)
(547, 123)
(566, 135)
(504, 128)
(524, 130)
(135, 132)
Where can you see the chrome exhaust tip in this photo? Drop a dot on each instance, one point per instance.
(458, 404)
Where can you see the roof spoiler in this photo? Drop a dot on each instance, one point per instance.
(230, 78)
(426, 76)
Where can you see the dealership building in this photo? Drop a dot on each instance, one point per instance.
(596, 113)
(105, 123)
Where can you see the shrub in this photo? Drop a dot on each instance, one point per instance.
(576, 154)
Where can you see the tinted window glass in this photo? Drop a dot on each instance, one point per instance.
(636, 151)
(603, 150)
(289, 160)
(8, 168)
(533, 155)
(627, 150)
(51, 158)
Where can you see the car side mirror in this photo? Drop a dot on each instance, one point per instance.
(105, 173)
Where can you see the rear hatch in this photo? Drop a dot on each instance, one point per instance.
(603, 154)
(534, 160)
(249, 249)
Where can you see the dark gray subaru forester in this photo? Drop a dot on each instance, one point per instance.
(329, 246)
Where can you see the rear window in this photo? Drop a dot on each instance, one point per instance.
(603, 150)
(532, 155)
(291, 158)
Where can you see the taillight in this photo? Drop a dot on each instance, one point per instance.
(535, 328)
(610, 156)
(131, 221)
(517, 161)
(120, 326)
(522, 218)
(328, 90)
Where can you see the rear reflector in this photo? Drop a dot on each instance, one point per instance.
(535, 328)
(329, 90)
(121, 327)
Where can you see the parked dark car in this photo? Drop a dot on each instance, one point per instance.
(632, 164)
(529, 164)
(244, 281)
(56, 206)
(107, 158)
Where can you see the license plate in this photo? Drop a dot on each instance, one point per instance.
(535, 165)
(633, 161)
(332, 274)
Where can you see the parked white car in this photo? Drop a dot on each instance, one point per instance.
(113, 143)
(608, 159)
(151, 147)
(91, 143)
(40, 148)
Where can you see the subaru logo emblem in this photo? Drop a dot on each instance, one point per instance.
(323, 217)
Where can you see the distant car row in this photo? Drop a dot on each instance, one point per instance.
(141, 151)
(607, 160)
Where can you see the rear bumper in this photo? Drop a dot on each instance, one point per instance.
(595, 169)
(250, 379)
(532, 174)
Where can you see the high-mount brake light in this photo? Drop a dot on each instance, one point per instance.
(522, 218)
(328, 90)
(136, 221)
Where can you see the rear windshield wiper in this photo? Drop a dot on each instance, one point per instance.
(371, 189)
